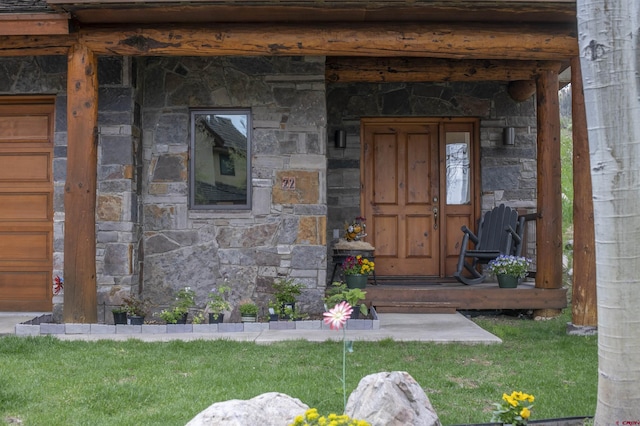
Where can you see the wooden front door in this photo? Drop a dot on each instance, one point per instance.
(417, 191)
(26, 203)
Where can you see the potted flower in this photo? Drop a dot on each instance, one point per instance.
(286, 293)
(218, 303)
(515, 409)
(509, 270)
(248, 312)
(185, 299)
(353, 296)
(356, 270)
(136, 309)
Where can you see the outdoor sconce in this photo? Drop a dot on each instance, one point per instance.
(340, 139)
(509, 136)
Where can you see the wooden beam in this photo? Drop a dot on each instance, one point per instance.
(457, 41)
(549, 226)
(36, 45)
(80, 294)
(34, 23)
(584, 310)
(391, 70)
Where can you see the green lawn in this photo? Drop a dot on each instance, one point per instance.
(48, 382)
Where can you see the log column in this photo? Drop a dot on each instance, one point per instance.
(584, 310)
(549, 225)
(80, 294)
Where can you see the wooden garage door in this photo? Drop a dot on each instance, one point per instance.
(26, 203)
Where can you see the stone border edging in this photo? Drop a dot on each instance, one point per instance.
(44, 329)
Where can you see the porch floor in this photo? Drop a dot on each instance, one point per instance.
(411, 295)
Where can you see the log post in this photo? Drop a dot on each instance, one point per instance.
(80, 293)
(549, 226)
(584, 310)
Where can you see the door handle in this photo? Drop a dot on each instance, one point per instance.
(435, 218)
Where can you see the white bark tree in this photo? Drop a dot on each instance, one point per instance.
(609, 39)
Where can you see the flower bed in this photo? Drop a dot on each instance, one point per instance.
(39, 327)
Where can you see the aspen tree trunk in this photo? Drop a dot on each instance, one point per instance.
(609, 37)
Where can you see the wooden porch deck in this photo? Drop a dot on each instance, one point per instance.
(447, 296)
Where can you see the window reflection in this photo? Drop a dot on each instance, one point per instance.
(457, 164)
(220, 159)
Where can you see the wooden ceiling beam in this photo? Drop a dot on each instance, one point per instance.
(454, 41)
(36, 45)
(395, 70)
(34, 23)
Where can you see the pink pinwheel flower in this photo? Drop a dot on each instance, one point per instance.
(337, 317)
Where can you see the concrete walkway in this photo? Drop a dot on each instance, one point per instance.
(440, 328)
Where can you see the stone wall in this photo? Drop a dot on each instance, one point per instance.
(283, 235)
(149, 241)
(508, 172)
(116, 231)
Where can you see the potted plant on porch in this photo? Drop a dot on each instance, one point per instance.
(509, 270)
(248, 312)
(178, 314)
(355, 297)
(119, 314)
(136, 309)
(356, 270)
(286, 293)
(218, 303)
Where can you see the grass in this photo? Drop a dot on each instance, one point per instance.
(49, 382)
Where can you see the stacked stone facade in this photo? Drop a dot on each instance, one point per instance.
(150, 242)
(283, 235)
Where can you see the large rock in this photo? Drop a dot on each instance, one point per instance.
(268, 409)
(391, 399)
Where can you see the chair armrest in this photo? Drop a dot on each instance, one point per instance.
(470, 233)
(517, 238)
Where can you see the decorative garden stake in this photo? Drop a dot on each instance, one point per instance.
(58, 285)
(337, 318)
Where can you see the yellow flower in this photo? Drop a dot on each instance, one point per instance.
(312, 414)
(299, 420)
(525, 413)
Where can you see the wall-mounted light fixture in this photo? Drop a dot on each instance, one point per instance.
(340, 139)
(509, 136)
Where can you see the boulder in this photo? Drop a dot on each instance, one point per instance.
(268, 409)
(391, 399)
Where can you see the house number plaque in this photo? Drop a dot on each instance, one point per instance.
(288, 183)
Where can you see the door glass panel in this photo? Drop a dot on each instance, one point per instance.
(458, 176)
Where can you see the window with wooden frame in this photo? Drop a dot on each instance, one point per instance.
(220, 160)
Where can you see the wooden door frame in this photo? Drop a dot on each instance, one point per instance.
(475, 190)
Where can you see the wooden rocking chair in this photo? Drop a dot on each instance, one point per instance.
(500, 232)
